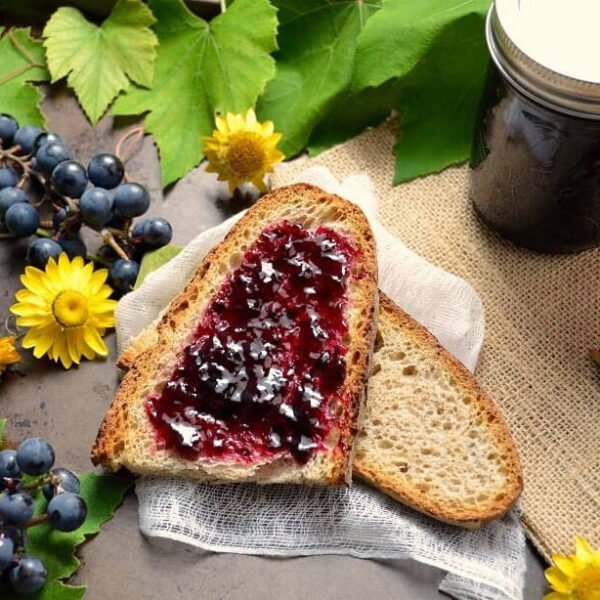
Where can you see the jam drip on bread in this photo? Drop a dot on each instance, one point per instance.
(264, 369)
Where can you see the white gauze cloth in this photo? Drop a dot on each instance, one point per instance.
(284, 520)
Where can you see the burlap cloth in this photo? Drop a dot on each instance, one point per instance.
(542, 318)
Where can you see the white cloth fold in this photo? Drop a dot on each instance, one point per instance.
(292, 521)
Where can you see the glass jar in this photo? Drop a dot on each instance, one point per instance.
(535, 159)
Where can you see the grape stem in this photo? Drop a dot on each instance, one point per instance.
(41, 231)
(35, 485)
(109, 239)
(137, 133)
(37, 520)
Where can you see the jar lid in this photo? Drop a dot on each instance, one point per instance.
(548, 49)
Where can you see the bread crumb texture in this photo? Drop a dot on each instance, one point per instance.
(431, 437)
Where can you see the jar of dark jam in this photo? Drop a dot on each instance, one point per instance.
(535, 159)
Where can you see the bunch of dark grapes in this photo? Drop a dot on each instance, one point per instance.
(39, 178)
(24, 473)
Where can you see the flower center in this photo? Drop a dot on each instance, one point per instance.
(70, 308)
(588, 584)
(246, 155)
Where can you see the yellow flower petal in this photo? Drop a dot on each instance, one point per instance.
(73, 345)
(251, 118)
(564, 564)
(268, 127)
(34, 320)
(221, 123)
(558, 580)
(583, 549)
(556, 596)
(8, 352)
(575, 577)
(94, 341)
(97, 281)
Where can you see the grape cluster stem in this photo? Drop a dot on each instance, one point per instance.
(136, 135)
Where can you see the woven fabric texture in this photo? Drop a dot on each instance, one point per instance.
(283, 520)
(542, 318)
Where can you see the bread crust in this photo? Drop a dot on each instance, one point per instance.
(300, 203)
(397, 487)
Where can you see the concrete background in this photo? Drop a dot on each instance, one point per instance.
(67, 407)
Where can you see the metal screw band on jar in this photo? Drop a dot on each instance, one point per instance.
(549, 83)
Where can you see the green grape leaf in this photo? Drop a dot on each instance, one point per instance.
(436, 50)
(352, 113)
(440, 101)
(153, 260)
(402, 33)
(315, 63)
(100, 61)
(2, 427)
(22, 62)
(201, 69)
(102, 494)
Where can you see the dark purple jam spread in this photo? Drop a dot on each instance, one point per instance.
(267, 357)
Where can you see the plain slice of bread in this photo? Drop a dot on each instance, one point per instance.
(127, 438)
(431, 437)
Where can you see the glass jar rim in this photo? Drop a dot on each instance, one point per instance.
(556, 91)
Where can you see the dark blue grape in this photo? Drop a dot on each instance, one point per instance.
(25, 137)
(41, 250)
(138, 229)
(46, 137)
(96, 207)
(28, 575)
(70, 178)
(131, 200)
(73, 245)
(50, 155)
(67, 512)
(63, 480)
(7, 552)
(8, 177)
(9, 467)
(10, 196)
(156, 232)
(8, 128)
(106, 171)
(22, 219)
(16, 507)
(122, 274)
(35, 456)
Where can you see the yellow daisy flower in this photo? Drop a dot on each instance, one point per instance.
(575, 577)
(8, 353)
(67, 310)
(242, 149)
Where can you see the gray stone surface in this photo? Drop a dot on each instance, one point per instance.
(66, 407)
